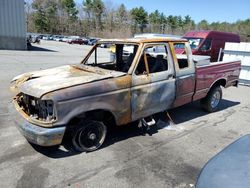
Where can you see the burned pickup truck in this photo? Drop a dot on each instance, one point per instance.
(128, 82)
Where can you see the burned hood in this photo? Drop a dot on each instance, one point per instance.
(39, 83)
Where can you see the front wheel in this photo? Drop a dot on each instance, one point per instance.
(89, 135)
(211, 102)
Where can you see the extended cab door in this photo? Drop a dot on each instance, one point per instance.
(185, 73)
(153, 83)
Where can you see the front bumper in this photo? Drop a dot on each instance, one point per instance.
(38, 135)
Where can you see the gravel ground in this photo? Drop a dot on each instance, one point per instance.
(171, 156)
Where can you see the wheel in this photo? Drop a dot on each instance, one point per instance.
(211, 102)
(89, 135)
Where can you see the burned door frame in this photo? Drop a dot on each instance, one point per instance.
(185, 77)
(152, 92)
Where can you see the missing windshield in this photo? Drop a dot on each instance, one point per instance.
(118, 57)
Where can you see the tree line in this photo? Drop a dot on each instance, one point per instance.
(99, 19)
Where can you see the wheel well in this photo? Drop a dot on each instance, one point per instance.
(99, 115)
(221, 82)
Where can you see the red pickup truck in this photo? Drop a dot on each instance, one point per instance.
(131, 81)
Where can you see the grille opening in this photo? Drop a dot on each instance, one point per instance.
(36, 108)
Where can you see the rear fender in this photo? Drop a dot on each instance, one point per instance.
(219, 82)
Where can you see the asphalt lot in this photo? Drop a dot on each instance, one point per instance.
(171, 156)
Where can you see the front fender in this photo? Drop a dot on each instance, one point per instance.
(116, 102)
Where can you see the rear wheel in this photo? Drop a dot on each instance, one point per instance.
(211, 102)
(89, 135)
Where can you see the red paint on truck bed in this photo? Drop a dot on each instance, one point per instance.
(207, 76)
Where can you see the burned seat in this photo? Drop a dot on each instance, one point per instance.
(160, 64)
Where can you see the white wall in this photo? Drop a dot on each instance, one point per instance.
(240, 51)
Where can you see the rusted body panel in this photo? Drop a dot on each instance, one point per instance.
(151, 94)
(111, 95)
(52, 98)
(39, 83)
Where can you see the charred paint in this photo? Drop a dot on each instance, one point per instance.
(78, 89)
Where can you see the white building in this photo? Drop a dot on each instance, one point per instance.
(12, 25)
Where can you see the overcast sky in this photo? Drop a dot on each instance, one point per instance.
(211, 10)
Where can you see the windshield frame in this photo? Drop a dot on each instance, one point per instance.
(93, 50)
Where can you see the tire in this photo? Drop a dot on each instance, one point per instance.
(88, 135)
(211, 102)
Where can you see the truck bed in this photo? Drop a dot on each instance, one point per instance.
(226, 72)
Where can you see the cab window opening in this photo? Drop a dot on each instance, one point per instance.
(153, 59)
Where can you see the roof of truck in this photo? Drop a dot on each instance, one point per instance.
(143, 40)
(156, 35)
